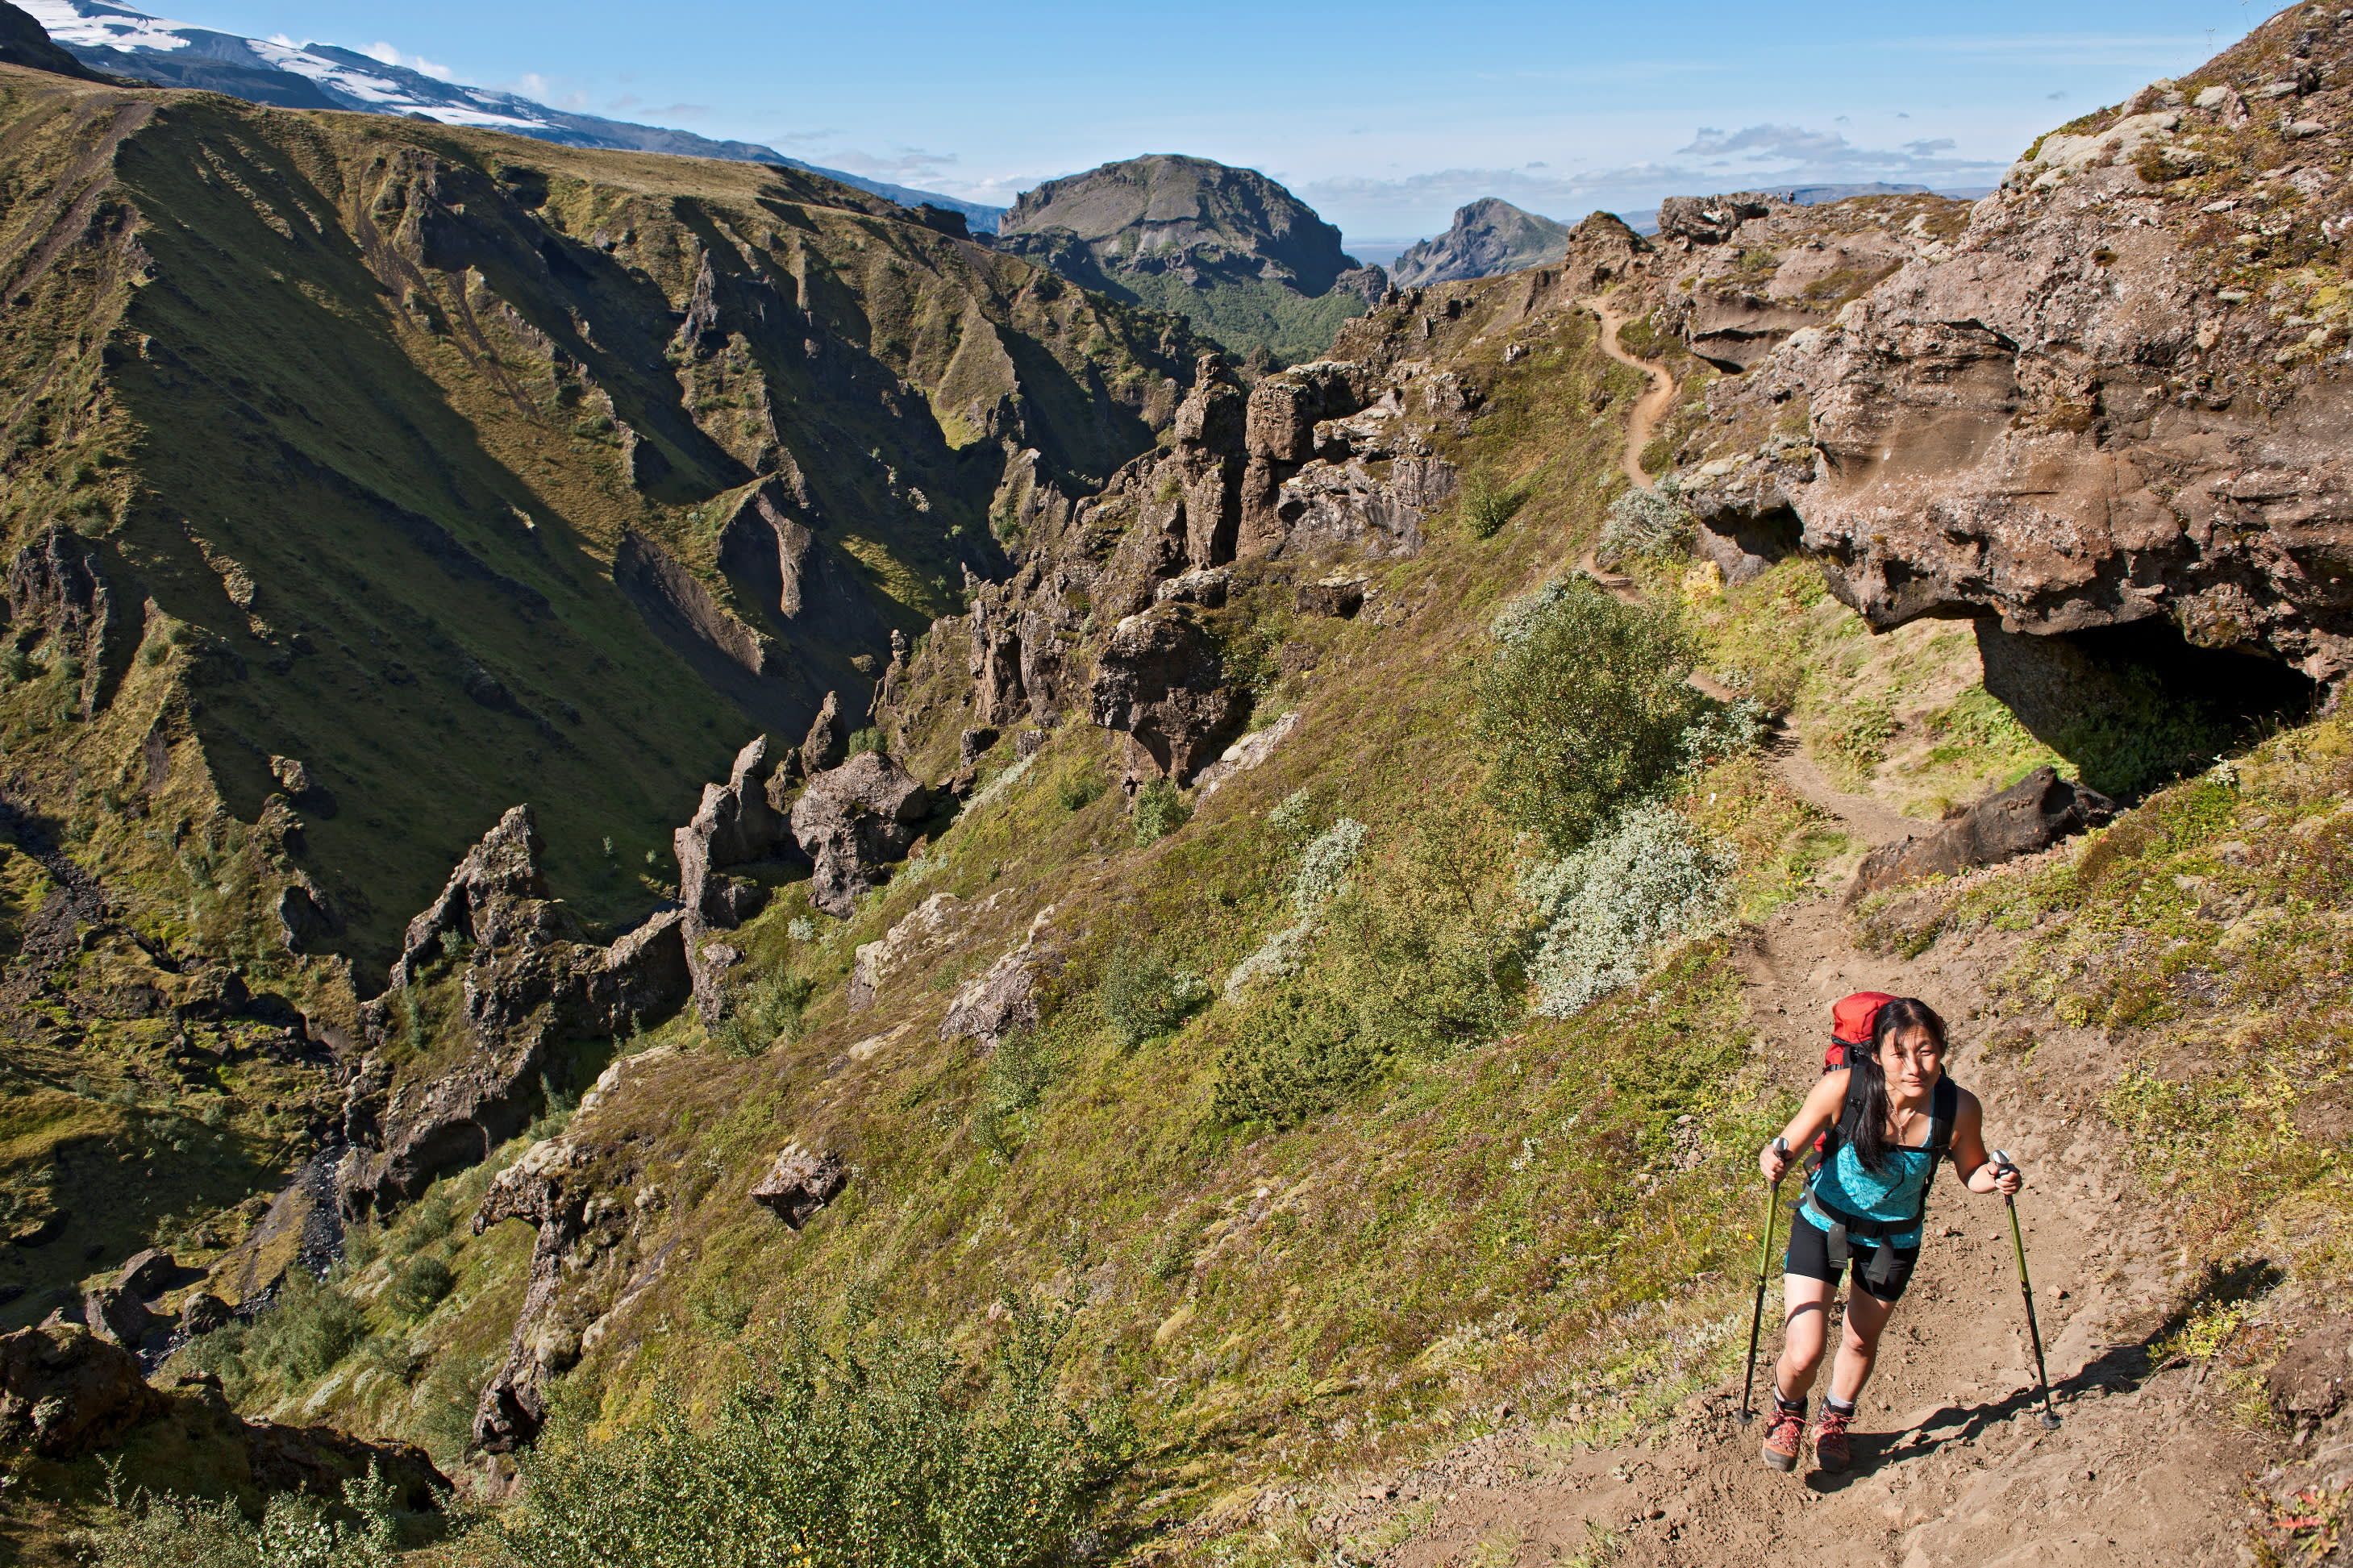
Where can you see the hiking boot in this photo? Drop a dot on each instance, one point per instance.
(1785, 1439)
(1831, 1450)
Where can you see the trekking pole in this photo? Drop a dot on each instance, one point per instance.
(2033, 1332)
(1756, 1320)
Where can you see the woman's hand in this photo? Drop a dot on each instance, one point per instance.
(1999, 1174)
(1775, 1161)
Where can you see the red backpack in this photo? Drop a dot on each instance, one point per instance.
(1852, 1019)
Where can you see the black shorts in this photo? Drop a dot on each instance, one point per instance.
(1809, 1257)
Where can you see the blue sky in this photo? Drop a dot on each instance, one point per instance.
(1384, 116)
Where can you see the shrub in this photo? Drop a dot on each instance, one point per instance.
(766, 1010)
(1078, 794)
(1293, 1056)
(1643, 525)
(1019, 1071)
(1160, 810)
(1143, 995)
(1488, 503)
(422, 1283)
(1585, 706)
(1426, 946)
(307, 1330)
(294, 1532)
(1600, 912)
(1324, 865)
(872, 1459)
(304, 1333)
(1724, 730)
(1292, 816)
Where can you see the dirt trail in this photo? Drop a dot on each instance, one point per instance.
(1872, 821)
(1952, 1466)
(1650, 407)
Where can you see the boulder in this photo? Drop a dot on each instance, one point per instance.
(798, 1183)
(318, 1460)
(734, 824)
(2313, 1380)
(149, 1274)
(828, 742)
(995, 1004)
(1339, 597)
(1712, 220)
(928, 925)
(201, 1313)
(117, 1316)
(64, 1392)
(2031, 816)
(853, 819)
(1160, 678)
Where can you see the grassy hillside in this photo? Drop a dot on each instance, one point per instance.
(363, 410)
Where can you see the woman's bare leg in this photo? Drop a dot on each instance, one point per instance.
(1866, 1319)
(1804, 1328)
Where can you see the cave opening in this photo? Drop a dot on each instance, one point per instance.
(2137, 706)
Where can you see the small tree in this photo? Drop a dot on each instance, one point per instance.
(1583, 704)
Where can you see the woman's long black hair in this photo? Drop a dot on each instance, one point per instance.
(1870, 1135)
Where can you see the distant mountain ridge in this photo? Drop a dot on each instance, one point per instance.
(1247, 260)
(1489, 237)
(123, 42)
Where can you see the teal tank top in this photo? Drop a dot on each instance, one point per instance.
(1891, 1194)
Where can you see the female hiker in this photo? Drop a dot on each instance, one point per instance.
(1890, 1115)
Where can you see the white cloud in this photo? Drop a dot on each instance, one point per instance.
(387, 54)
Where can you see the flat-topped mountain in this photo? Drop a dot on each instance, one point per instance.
(1249, 261)
(1489, 237)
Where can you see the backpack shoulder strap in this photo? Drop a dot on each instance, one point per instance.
(1849, 1117)
(1944, 1109)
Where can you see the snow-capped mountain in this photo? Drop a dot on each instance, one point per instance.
(115, 38)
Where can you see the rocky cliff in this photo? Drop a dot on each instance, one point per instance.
(1489, 237)
(1251, 263)
(2100, 415)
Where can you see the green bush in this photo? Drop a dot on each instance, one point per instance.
(1425, 944)
(306, 1329)
(878, 1459)
(764, 1011)
(294, 1532)
(1643, 525)
(1584, 706)
(1488, 503)
(1144, 994)
(1160, 810)
(1601, 912)
(1290, 1057)
(1078, 794)
(422, 1283)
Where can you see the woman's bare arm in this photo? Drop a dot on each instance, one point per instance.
(1969, 1156)
(1820, 1113)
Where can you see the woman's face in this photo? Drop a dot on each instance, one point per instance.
(1911, 1060)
